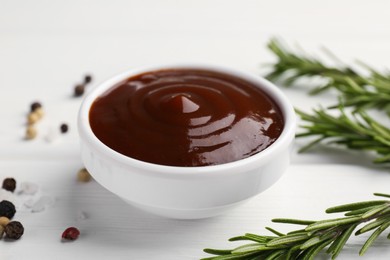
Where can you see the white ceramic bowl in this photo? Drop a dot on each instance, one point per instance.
(186, 192)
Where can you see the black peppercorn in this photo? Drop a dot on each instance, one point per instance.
(64, 128)
(79, 90)
(14, 230)
(7, 209)
(87, 79)
(9, 184)
(35, 105)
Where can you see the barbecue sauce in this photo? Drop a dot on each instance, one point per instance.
(186, 117)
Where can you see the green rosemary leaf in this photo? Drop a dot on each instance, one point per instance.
(296, 232)
(313, 252)
(255, 247)
(372, 225)
(293, 251)
(332, 232)
(239, 238)
(375, 210)
(382, 140)
(332, 222)
(311, 242)
(217, 251)
(373, 237)
(354, 86)
(275, 255)
(253, 237)
(275, 232)
(293, 221)
(320, 89)
(257, 238)
(358, 211)
(288, 239)
(385, 212)
(355, 206)
(382, 195)
(340, 242)
(381, 130)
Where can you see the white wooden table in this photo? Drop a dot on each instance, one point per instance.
(46, 47)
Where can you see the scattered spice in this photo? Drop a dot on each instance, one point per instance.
(14, 230)
(71, 233)
(35, 105)
(9, 184)
(7, 209)
(28, 197)
(4, 221)
(32, 118)
(36, 113)
(39, 112)
(83, 175)
(79, 90)
(87, 79)
(31, 132)
(64, 128)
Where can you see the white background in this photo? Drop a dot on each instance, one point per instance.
(46, 47)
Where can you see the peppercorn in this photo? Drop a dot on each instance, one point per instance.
(87, 79)
(9, 184)
(39, 112)
(79, 90)
(71, 233)
(14, 230)
(32, 118)
(83, 175)
(7, 209)
(31, 132)
(64, 128)
(35, 105)
(4, 221)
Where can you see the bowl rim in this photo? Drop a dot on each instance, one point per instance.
(282, 142)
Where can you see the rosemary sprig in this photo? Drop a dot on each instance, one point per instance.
(307, 242)
(356, 131)
(372, 91)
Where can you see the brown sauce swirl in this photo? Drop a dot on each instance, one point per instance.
(186, 117)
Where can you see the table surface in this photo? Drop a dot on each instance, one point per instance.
(46, 47)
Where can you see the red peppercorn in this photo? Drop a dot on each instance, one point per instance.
(71, 233)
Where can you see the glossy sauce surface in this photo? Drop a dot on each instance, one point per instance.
(186, 117)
